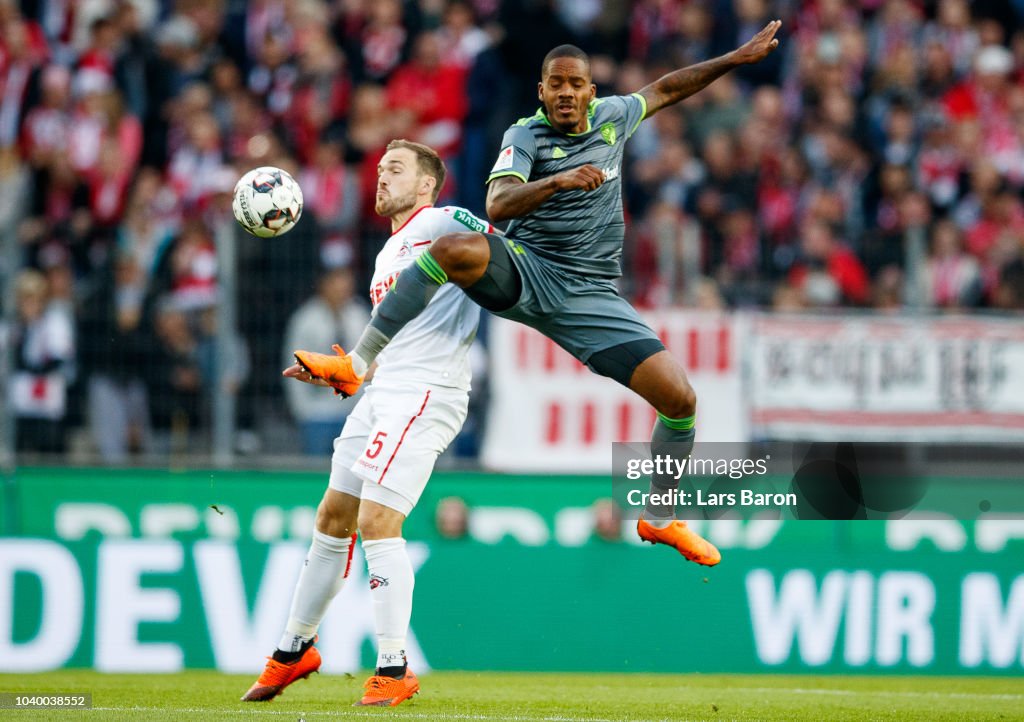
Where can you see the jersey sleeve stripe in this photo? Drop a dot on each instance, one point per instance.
(503, 173)
(429, 266)
(643, 104)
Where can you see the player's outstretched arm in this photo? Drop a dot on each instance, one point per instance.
(509, 197)
(680, 84)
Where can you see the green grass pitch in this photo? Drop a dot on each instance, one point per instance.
(524, 696)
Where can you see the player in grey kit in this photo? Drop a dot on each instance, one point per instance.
(557, 178)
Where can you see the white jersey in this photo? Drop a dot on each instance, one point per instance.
(433, 348)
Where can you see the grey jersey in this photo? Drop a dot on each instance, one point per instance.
(580, 231)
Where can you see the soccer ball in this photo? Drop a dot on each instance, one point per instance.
(267, 202)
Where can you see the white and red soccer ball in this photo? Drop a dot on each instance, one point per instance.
(267, 202)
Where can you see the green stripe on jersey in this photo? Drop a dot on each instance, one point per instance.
(502, 174)
(429, 266)
(643, 102)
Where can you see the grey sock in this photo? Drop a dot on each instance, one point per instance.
(409, 295)
(671, 437)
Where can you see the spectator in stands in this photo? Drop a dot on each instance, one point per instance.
(433, 93)
(939, 74)
(196, 164)
(952, 276)
(24, 53)
(180, 57)
(787, 298)
(607, 520)
(175, 380)
(821, 176)
(1009, 292)
(331, 190)
(720, 110)
(692, 37)
(193, 268)
(460, 38)
(828, 273)
(45, 130)
(118, 400)
(332, 316)
(100, 55)
(320, 97)
(725, 189)
(370, 127)
(984, 97)
(451, 517)
(887, 290)
(951, 29)
(1001, 213)
(378, 46)
(224, 364)
(44, 350)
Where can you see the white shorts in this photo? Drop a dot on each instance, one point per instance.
(390, 441)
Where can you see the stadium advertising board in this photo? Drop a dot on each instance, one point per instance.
(831, 378)
(886, 379)
(549, 413)
(134, 571)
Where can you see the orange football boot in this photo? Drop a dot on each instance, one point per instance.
(335, 370)
(388, 691)
(278, 675)
(685, 540)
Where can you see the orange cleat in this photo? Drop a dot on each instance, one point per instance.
(278, 675)
(688, 542)
(335, 370)
(388, 691)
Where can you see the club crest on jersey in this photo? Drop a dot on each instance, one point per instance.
(608, 133)
(406, 249)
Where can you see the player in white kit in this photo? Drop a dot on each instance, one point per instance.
(386, 451)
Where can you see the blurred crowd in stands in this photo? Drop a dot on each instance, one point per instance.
(876, 160)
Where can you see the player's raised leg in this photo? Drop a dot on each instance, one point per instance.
(662, 383)
(323, 575)
(391, 586)
(459, 258)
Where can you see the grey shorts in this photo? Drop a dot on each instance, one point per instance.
(582, 314)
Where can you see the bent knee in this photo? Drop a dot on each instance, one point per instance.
(332, 521)
(459, 253)
(379, 523)
(682, 402)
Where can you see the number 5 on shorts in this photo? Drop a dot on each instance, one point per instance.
(373, 450)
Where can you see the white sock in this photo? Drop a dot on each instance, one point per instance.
(391, 584)
(323, 575)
